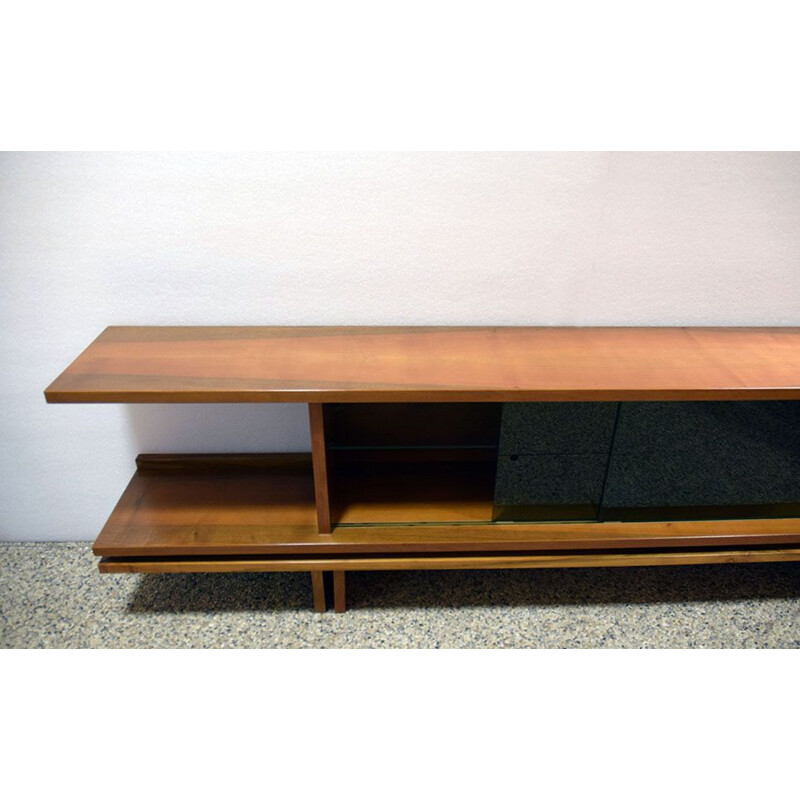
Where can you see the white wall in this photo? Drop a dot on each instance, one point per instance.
(94, 239)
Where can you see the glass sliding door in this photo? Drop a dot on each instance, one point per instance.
(695, 460)
(552, 460)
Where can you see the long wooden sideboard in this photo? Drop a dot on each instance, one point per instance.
(460, 448)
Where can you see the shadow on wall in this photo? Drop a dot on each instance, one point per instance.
(219, 428)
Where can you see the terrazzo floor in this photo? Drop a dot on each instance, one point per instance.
(52, 596)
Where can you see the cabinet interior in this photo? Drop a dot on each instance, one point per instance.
(571, 461)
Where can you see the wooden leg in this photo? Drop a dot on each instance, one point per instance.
(318, 590)
(339, 597)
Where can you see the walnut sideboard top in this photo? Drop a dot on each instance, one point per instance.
(430, 364)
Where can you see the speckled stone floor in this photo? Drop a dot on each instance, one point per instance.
(52, 596)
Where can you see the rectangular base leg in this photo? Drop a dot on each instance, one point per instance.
(339, 597)
(318, 591)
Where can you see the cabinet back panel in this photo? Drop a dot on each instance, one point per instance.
(406, 425)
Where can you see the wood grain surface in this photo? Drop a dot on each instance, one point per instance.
(434, 364)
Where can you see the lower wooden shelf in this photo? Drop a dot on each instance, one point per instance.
(413, 492)
(257, 513)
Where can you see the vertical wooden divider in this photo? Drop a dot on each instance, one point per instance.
(319, 459)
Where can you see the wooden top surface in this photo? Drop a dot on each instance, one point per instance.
(430, 364)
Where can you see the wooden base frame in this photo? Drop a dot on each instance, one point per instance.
(338, 567)
(405, 444)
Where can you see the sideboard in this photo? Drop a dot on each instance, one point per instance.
(460, 448)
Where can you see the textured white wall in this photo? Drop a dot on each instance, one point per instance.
(89, 240)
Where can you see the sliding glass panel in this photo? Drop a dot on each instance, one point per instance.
(685, 460)
(553, 459)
